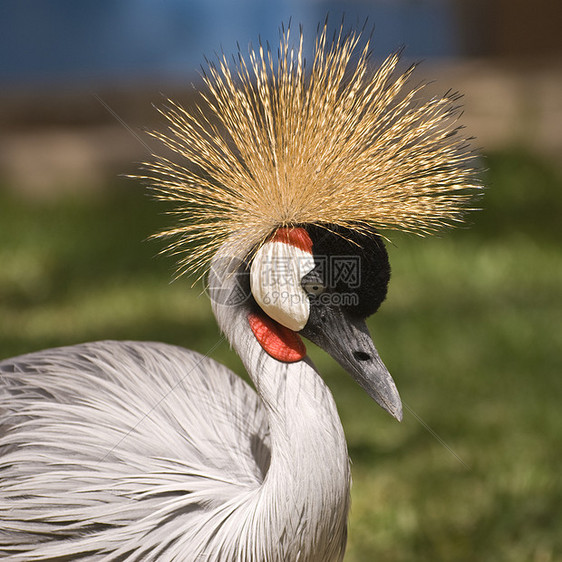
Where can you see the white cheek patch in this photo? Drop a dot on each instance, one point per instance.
(275, 281)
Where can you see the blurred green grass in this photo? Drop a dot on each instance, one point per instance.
(471, 330)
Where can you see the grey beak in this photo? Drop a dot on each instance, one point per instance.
(348, 341)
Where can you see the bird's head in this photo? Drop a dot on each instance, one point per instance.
(322, 283)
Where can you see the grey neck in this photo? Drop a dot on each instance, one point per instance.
(309, 471)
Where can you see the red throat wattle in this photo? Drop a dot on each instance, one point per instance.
(278, 341)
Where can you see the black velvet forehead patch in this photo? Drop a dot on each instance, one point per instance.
(353, 267)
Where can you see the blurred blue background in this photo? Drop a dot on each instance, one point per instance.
(68, 42)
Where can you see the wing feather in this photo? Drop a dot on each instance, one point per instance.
(112, 444)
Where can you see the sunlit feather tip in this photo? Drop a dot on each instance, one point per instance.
(271, 145)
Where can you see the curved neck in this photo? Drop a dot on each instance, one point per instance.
(309, 470)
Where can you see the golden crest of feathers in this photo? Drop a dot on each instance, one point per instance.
(272, 145)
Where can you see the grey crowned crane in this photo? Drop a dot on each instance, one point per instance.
(282, 180)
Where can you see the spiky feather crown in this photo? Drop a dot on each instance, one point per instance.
(270, 146)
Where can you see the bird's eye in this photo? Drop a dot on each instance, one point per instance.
(313, 288)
